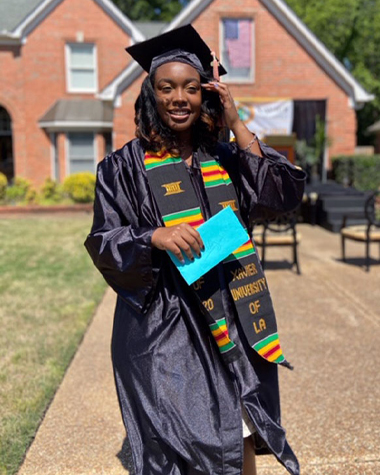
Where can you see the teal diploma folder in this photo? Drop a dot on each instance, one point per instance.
(222, 234)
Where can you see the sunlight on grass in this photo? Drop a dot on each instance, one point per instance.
(49, 290)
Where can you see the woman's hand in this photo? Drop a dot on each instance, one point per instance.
(178, 239)
(231, 117)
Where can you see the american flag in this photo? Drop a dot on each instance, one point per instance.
(237, 34)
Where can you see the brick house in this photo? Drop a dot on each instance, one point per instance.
(67, 87)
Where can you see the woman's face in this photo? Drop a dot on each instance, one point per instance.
(177, 87)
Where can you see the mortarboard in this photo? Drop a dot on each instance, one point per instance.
(185, 39)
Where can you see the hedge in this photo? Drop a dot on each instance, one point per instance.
(359, 171)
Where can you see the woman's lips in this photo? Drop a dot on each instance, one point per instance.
(179, 114)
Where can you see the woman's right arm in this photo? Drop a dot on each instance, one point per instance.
(123, 253)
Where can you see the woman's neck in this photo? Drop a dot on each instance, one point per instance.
(185, 145)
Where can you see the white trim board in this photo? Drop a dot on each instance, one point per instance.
(73, 125)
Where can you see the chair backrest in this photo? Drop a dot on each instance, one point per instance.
(372, 208)
(282, 223)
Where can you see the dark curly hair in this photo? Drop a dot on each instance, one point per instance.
(155, 135)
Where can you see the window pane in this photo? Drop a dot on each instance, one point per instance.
(81, 152)
(82, 56)
(82, 79)
(81, 145)
(77, 166)
(237, 47)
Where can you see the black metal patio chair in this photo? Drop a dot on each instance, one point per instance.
(367, 233)
(282, 232)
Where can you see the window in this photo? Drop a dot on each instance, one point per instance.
(81, 152)
(81, 67)
(237, 49)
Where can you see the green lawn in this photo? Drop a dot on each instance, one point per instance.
(49, 290)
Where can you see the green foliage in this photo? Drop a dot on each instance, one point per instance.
(80, 187)
(51, 191)
(360, 171)
(351, 31)
(3, 186)
(149, 10)
(308, 155)
(31, 196)
(18, 191)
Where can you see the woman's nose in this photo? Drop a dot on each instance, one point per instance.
(179, 96)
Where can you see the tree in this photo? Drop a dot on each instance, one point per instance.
(149, 10)
(351, 31)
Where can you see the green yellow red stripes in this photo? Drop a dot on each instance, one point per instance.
(191, 216)
(245, 250)
(220, 333)
(270, 349)
(159, 159)
(214, 174)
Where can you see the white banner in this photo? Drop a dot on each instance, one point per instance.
(267, 118)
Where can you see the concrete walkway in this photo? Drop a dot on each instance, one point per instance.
(329, 320)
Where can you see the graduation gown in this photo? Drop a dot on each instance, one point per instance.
(181, 404)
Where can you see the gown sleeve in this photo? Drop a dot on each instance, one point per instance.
(119, 248)
(267, 186)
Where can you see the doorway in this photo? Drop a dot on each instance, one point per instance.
(6, 144)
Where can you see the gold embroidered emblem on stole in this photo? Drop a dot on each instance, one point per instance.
(231, 203)
(173, 188)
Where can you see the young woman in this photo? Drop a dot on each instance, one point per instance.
(197, 384)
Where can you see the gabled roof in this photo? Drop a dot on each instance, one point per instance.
(13, 12)
(150, 29)
(19, 17)
(295, 27)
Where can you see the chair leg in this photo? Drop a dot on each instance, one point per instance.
(343, 248)
(295, 258)
(367, 255)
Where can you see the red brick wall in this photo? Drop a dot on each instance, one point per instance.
(283, 69)
(124, 125)
(32, 82)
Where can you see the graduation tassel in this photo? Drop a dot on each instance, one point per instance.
(215, 66)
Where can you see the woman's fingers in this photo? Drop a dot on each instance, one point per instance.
(231, 115)
(181, 239)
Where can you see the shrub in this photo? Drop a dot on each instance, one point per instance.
(51, 191)
(3, 186)
(80, 187)
(31, 196)
(360, 171)
(18, 191)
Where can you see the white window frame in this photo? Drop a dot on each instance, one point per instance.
(69, 85)
(54, 156)
(67, 150)
(236, 79)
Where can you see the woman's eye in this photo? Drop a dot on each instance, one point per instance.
(166, 89)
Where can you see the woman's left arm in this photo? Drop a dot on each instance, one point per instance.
(244, 138)
(267, 183)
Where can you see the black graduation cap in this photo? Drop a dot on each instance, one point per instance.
(185, 38)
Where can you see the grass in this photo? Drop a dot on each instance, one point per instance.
(49, 290)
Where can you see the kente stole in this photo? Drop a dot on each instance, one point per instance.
(178, 203)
